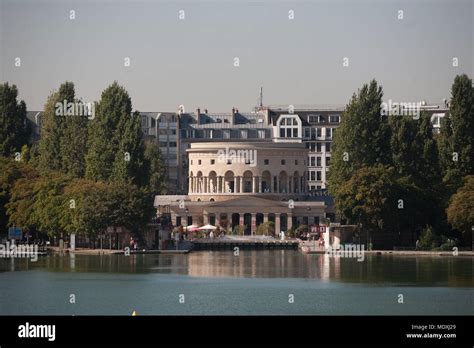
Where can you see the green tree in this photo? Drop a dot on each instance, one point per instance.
(104, 140)
(370, 197)
(456, 138)
(51, 208)
(10, 172)
(14, 129)
(157, 173)
(52, 130)
(362, 138)
(90, 215)
(129, 206)
(461, 208)
(415, 159)
(129, 164)
(73, 145)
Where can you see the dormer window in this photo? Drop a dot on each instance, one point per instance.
(289, 127)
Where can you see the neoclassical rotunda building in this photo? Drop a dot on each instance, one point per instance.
(245, 183)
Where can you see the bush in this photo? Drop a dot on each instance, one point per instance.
(291, 233)
(427, 239)
(238, 230)
(266, 228)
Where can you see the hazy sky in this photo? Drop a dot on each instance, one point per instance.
(191, 61)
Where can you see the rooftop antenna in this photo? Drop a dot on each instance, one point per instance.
(261, 98)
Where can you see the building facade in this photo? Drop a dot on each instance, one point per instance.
(174, 132)
(245, 184)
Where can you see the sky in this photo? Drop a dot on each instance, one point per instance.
(297, 59)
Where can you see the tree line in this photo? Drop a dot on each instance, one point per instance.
(393, 176)
(84, 174)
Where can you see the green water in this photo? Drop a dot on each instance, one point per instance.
(255, 282)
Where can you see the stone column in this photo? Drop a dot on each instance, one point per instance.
(237, 187)
(259, 184)
(265, 217)
(223, 185)
(288, 185)
(205, 218)
(241, 184)
(241, 219)
(278, 184)
(253, 224)
(277, 224)
(290, 220)
(205, 185)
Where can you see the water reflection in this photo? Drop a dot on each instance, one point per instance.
(375, 269)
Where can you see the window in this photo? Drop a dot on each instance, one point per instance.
(288, 127)
(266, 162)
(307, 132)
(172, 143)
(328, 133)
(226, 134)
(296, 162)
(191, 161)
(213, 161)
(328, 147)
(318, 175)
(283, 162)
(328, 160)
(313, 118)
(261, 133)
(163, 131)
(318, 147)
(163, 144)
(334, 119)
(312, 175)
(315, 133)
(312, 161)
(199, 162)
(244, 134)
(318, 161)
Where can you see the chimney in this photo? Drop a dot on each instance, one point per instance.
(205, 111)
(198, 112)
(233, 111)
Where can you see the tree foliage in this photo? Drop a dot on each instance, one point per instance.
(362, 138)
(456, 138)
(461, 208)
(14, 128)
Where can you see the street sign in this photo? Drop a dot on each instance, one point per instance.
(15, 233)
